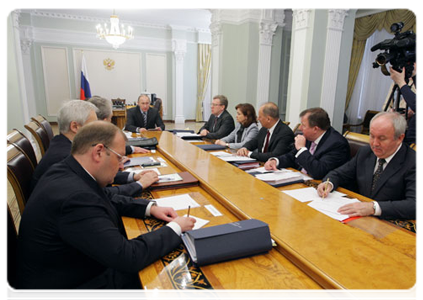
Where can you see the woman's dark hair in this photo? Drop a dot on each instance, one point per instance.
(248, 111)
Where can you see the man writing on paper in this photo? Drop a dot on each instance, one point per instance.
(273, 139)
(220, 123)
(384, 171)
(71, 234)
(318, 150)
(143, 117)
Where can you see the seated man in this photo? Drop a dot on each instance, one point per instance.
(71, 234)
(220, 123)
(273, 139)
(384, 171)
(143, 117)
(318, 150)
(72, 116)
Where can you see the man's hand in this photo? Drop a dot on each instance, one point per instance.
(324, 189)
(357, 209)
(143, 129)
(300, 141)
(270, 165)
(219, 142)
(242, 152)
(140, 150)
(148, 178)
(159, 128)
(186, 223)
(398, 78)
(167, 214)
(204, 132)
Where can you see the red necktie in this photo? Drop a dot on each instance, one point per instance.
(266, 145)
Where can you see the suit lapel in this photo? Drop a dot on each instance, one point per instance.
(139, 117)
(322, 141)
(368, 166)
(274, 134)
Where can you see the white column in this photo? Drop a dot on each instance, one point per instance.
(26, 44)
(300, 57)
(336, 19)
(19, 66)
(216, 33)
(179, 48)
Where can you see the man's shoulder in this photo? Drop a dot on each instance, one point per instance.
(226, 115)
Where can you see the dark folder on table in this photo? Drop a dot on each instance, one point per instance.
(187, 180)
(228, 241)
(209, 147)
(143, 142)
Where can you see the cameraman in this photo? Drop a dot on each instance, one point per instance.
(409, 97)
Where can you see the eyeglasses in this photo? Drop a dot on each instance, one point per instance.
(214, 104)
(122, 158)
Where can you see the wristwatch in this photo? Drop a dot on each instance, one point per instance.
(227, 145)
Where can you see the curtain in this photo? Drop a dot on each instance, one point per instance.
(364, 27)
(203, 80)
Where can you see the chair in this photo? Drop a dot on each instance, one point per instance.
(158, 105)
(40, 135)
(365, 125)
(19, 174)
(11, 246)
(19, 140)
(118, 103)
(297, 129)
(356, 141)
(45, 124)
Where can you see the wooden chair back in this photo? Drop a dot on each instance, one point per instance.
(40, 135)
(45, 124)
(19, 140)
(356, 141)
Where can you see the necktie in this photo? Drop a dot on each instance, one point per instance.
(266, 145)
(214, 125)
(312, 149)
(144, 116)
(378, 172)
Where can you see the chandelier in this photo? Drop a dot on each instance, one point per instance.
(114, 35)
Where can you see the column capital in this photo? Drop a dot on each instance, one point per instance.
(267, 30)
(301, 18)
(179, 48)
(336, 18)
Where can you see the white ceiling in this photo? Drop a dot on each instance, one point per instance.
(194, 18)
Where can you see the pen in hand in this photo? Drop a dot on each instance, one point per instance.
(189, 207)
(325, 188)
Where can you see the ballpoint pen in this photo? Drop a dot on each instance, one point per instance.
(326, 187)
(189, 207)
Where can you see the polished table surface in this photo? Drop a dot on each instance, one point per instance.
(366, 253)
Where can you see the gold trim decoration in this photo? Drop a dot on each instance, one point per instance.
(109, 64)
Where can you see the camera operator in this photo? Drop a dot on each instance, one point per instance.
(410, 98)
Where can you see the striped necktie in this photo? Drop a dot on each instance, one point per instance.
(144, 116)
(378, 172)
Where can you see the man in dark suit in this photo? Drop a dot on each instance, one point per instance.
(71, 234)
(72, 116)
(384, 171)
(318, 150)
(143, 117)
(274, 138)
(220, 123)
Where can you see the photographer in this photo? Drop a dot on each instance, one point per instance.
(410, 98)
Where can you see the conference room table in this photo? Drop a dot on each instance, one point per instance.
(312, 251)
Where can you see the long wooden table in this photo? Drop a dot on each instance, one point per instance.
(313, 250)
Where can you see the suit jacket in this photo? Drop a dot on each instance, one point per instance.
(60, 148)
(135, 119)
(395, 190)
(281, 142)
(71, 234)
(248, 134)
(224, 126)
(410, 97)
(332, 151)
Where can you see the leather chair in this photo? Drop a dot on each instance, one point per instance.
(297, 130)
(356, 141)
(40, 135)
(45, 124)
(19, 174)
(365, 125)
(158, 104)
(19, 140)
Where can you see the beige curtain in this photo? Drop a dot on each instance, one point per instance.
(364, 28)
(203, 71)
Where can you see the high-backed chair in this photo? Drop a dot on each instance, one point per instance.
(297, 130)
(356, 141)
(45, 124)
(365, 125)
(39, 134)
(19, 174)
(17, 138)
(158, 104)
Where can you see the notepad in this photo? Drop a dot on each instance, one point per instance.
(177, 202)
(199, 222)
(310, 194)
(329, 206)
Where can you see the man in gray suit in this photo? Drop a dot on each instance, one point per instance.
(220, 123)
(384, 171)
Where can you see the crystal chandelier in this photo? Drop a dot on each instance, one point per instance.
(115, 35)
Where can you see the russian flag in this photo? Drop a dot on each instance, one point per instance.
(85, 85)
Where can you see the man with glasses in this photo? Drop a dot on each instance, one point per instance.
(71, 234)
(220, 123)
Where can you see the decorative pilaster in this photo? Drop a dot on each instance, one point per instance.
(216, 33)
(179, 48)
(336, 19)
(26, 40)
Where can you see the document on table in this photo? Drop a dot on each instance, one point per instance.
(310, 194)
(169, 178)
(177, 202)
(280, 176)
(330, 206)
(199, 222)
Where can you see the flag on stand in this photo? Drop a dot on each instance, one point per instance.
(85, 85)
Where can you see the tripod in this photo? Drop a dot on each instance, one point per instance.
(396, 103)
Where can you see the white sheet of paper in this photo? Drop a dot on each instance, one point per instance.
(220, 153)
(194, 141)
(177, 202)
(330, 206)
(199, 223)
(310, 194)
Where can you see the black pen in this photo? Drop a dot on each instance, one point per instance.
(189, 207)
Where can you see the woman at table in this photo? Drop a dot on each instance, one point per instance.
(246, 128)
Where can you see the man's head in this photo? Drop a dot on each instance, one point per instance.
(387, 131)
(268, 114)
(218, 105)
(73, 115)
(100, 147)
(144, 102)
(105, 110)
(314, 121)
